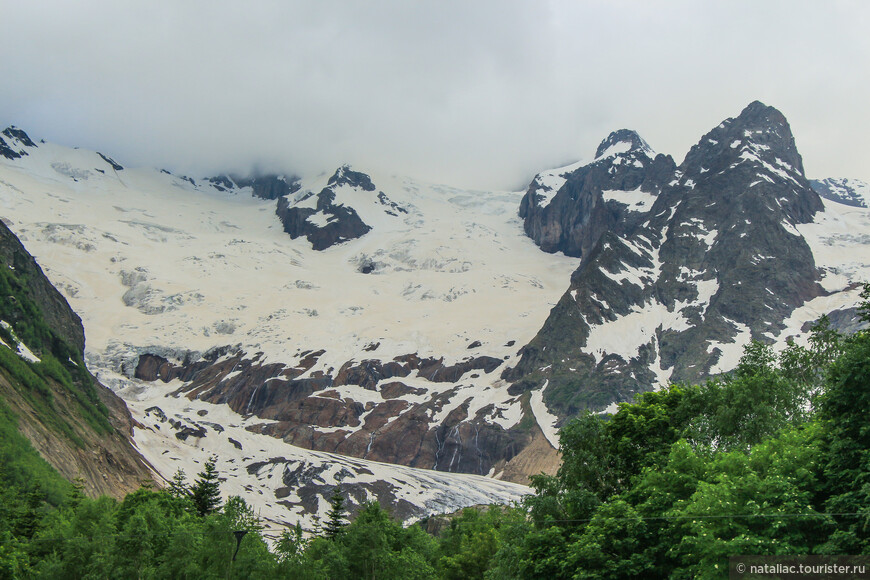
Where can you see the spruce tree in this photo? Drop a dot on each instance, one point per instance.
(335, 517)
(864, 306)
(206, 493)
(77, 493)
(178, 486)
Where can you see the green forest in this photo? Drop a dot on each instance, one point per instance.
(772, 458)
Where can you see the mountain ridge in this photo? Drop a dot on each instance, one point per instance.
(718, 255)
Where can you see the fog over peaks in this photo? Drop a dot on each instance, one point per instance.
(479, 94)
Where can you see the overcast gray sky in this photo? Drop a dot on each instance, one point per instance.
(475, 93)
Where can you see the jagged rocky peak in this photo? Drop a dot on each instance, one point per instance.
(328, 217)
(14, 143)
(567, 210)
(17, 134)
(752, 157)
(715, 261)
(623, 141)
(759, 132)
(853, 192)
(344, 175)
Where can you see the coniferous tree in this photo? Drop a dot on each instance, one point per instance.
(335, 517)
(28, 520)
(77, 493)
(178, 487)
(206, 493)
(864, 306)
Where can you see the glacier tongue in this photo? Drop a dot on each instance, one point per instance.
(284, 483)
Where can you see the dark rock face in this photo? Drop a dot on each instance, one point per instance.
(221, 182)
(269, 186)
(340, 223)
(572, 218)
(325, 221)
(328, 222)
(850, 192)
(13, 143)
(346, 176)
(17, 134)
(716, 255)
(394, 430)
(368, 373)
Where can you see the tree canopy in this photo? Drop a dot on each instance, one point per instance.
(773, 458)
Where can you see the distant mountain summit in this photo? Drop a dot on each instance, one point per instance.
(673, 293)
(568, 210)
(332, 216)
(14, 143)
(852, 192)
(622, 141)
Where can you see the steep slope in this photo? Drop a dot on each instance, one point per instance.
(81, 428)
(717, 260)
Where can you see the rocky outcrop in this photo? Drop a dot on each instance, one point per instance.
(717, 256)
(569, 210)
(396, 431)
(14, 143)
(269, 186)
(346, 176)
(314, 411)
(324, 225)
(332, 215)
(111, 162)
(368, 373)
(320, 218)
(852, 192)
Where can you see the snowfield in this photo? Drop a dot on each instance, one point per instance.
(155, 263)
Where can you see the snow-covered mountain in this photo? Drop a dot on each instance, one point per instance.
(732, 245)
(387, 346)
(351, 328)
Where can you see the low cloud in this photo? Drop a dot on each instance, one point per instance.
(480, 94)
